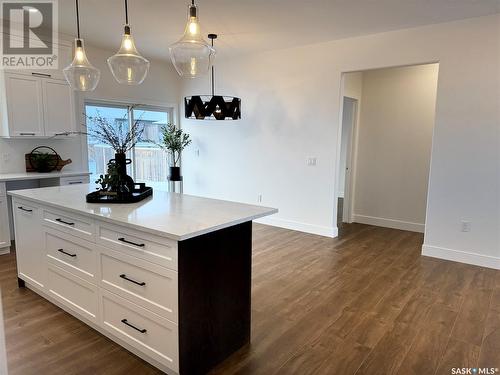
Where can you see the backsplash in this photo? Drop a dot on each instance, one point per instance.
(12, 152)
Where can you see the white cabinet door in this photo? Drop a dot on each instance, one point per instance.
(30, 249)
(25, 105)
(4, 223)
(58, 104)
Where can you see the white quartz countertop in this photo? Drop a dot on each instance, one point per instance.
(176, 216)
(38, 176)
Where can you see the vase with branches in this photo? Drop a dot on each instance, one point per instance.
(121, 139)
(173, 141)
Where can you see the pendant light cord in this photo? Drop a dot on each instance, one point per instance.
(126, 12)
(77, 20)
(213, 74)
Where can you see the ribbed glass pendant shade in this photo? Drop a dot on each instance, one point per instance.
(80, 74)
(127, 65)
(192, 56)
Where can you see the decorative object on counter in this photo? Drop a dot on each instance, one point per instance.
(80, 74)
(192, 56)
(212, 107)
(127, 65)
(117, 186)
(44, 159)
(173, 142)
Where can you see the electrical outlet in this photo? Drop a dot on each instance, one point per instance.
(311, 162)
(466, 226)
(6, 157)
(259, 198)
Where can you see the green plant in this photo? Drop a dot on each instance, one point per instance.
(111, 180)
(173, 141)
(41, 161)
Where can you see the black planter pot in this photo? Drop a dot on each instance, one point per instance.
(175, 174)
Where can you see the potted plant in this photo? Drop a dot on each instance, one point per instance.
(173, 141)
(121, 139)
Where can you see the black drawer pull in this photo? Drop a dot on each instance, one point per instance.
(64, 222)
(75, 182)
(30, 134)
(124, 321)
(131, 243)
(68, 254)
(123, 276)
(24, 209)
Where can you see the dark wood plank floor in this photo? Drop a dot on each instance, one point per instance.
(364, 303)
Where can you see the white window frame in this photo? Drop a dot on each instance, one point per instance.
(171, 109)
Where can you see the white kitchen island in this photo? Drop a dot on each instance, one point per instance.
(168, 278)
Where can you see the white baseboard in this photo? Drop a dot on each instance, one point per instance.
(461, 256)
(301, 227)
(389, 223)
(5, 250)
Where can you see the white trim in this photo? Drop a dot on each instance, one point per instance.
(331, 232)
(5, 250)
(389, 223)
(461, 256)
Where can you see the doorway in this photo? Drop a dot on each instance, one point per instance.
(385, 142)
(349, 117)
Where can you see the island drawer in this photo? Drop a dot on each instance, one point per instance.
(155, 249)
(71, 253)
(144, 283)
(74, 293)
(74, 224)
(151, 334)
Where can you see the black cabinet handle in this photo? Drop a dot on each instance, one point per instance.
(30, 134)
(123, 276)
(24, 209)
(64, 222)
(124, 321)
(41, 75)
(68, 254)
(131, 243)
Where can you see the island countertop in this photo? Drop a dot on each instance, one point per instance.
(171, 215)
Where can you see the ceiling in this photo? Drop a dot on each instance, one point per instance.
(257, 25)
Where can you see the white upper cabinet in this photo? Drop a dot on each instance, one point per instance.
(37, 103)
(24, 105)
(58, 107)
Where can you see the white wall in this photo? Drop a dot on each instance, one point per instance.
(394, 146)
(161, 87)
(291, 111)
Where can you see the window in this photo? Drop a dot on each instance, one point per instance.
(149, 162)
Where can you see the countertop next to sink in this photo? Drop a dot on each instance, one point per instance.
(19, 176)
(171, 215)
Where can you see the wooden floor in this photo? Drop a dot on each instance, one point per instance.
(364, 303)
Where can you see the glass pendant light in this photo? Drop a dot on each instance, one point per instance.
(128, 66)
(80, 74)
(192, 56)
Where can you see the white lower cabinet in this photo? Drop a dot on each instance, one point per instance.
(144, 283)
(30, 249)
(140, 328)
(78, 295)
(131, 299)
